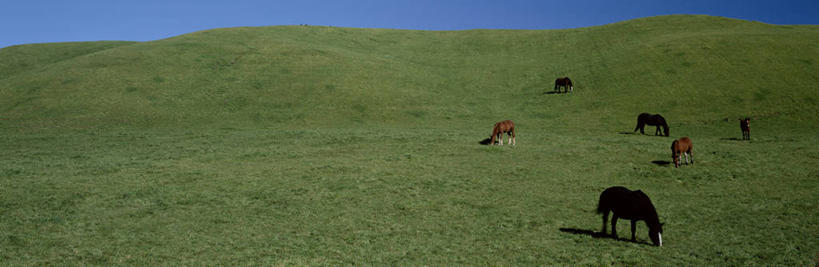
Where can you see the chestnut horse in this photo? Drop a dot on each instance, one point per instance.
(630, 205)
(678, 148)
(564, 82)
(500, 128)
(651, 120)
(745, 125)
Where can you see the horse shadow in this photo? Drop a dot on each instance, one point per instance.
(594, 234)
(731, 139)
(554, 93)
(661, 162)
(636, 133)
(485, 141)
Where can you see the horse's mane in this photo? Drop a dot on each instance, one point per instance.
(645, 203)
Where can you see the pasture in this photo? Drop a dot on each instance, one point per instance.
(399, 195)
(320, 145)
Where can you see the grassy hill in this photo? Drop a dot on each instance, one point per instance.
(324, 145)
(698, 68)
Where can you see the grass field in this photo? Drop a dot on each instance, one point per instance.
(322, 145)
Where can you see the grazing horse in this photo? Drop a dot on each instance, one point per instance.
(678, 148)
(564, 82)
(745, 125)
(500, 128)
(651, 120)
(630, 205)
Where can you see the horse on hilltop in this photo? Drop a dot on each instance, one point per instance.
(678, 148)
(651, 120)
(745, 126)
(502, 127)
(630, 205)
(564, 82)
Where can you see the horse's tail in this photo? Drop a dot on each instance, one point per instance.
(640, 124)
(601, 206)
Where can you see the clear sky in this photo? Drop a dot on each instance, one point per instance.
(39, 21)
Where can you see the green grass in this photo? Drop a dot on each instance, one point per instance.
(323, 145)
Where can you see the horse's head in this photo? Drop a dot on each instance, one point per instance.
(674, 153)
(656, 234)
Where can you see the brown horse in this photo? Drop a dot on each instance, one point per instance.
(564, 82)
(745, 125)
(678, 148)
(500, 128)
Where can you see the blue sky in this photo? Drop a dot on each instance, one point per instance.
(39, 21)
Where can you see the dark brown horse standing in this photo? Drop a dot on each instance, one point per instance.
(745, 125)
(564, 82)
(651, 120)
(630, 205)
(500, 128)
(678, 148)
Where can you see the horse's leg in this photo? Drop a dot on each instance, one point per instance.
(605, 221)
(500, 138)
(691, 153)
(677, 160)
(633, 230)
(513, 136)
(614, 226)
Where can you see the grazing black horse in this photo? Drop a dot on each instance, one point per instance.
(564, 82)
(651, 120)
(630, 205)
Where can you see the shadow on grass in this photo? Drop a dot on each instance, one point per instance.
(594, 234)
(731, 139)
(485, 141)
(661, 163)
(635, 133)
(554, 93)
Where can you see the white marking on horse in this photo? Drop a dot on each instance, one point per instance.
(661, 238)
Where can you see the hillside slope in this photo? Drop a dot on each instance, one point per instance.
(693, 68)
